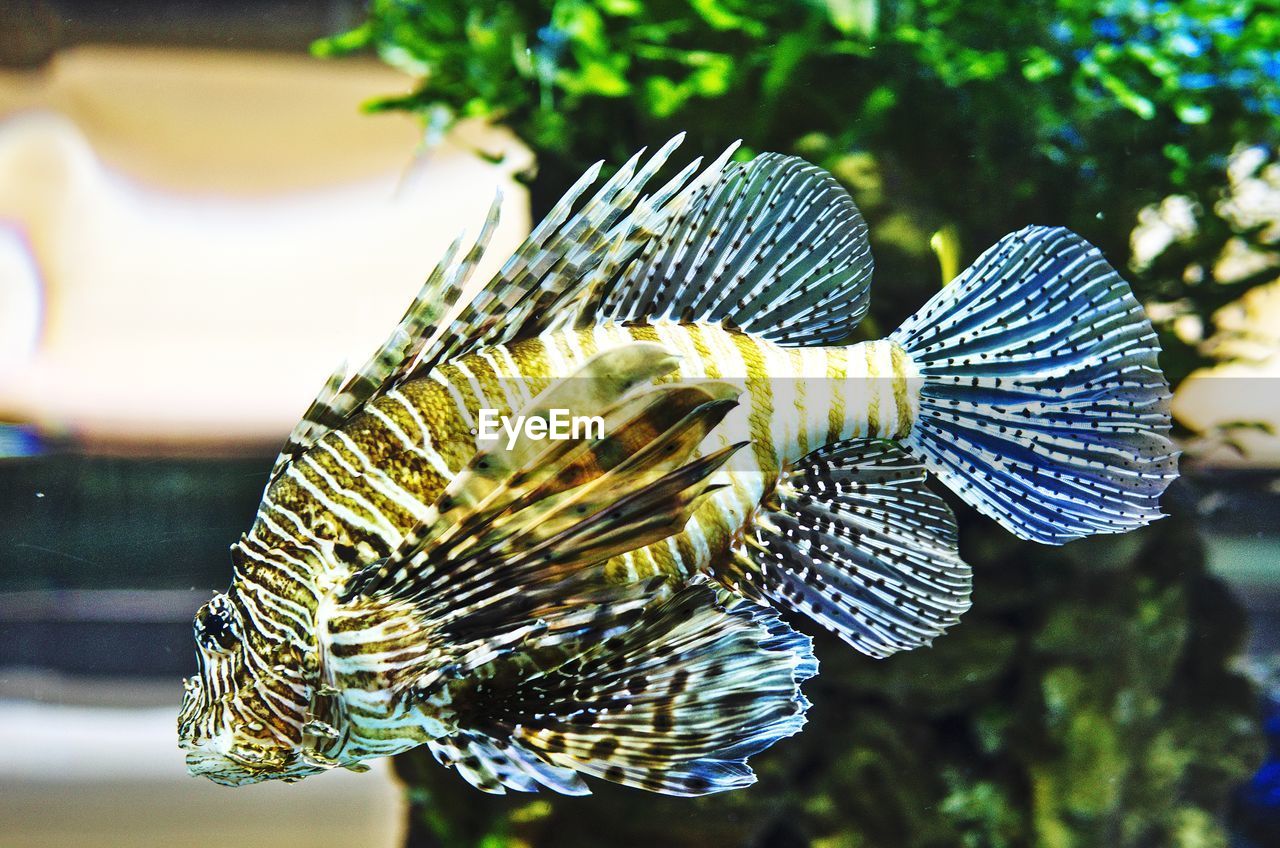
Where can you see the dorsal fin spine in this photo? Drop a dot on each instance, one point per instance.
(775, 244)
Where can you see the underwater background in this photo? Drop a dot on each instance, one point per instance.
(197, 221)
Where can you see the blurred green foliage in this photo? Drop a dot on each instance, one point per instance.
(1087, 699)
(981, 117)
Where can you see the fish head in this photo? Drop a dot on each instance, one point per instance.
(245, 714)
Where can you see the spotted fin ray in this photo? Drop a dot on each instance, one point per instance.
(675, 703)
(854, 539)
(571, 253)
(496, 765)
(1042, 403)
(775, 247)
(549, 279)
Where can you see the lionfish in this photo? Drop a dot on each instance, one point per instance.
(535, 610)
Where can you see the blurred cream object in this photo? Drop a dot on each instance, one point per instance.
(1242, 388)
(1245, 387)
(191, 241)
(79, 775)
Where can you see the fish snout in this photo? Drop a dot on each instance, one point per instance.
(235, 760)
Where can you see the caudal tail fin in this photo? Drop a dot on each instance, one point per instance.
(1041, 402)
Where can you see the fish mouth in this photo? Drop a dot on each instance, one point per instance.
(239, 762)
(232, 760)
(240, 770)
(260, 759)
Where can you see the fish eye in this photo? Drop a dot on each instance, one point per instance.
(214, 629)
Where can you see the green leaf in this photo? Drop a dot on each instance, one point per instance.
(719, 16)
(1190, 112)
(663, 96)
(784, 58)
(1038, 64)
(403, 60)
(622, 8)
(853, 17)
(878, 102)
(713, 76)
(582, 24)
(1126, 96)
(597, 77)
(343, 43)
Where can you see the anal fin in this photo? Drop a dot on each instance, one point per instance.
(854, 539)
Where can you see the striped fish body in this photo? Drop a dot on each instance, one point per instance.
(793, 401)
(362, 488)
(607, 606)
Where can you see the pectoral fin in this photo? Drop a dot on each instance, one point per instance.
(673, 703)
(515, 536)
